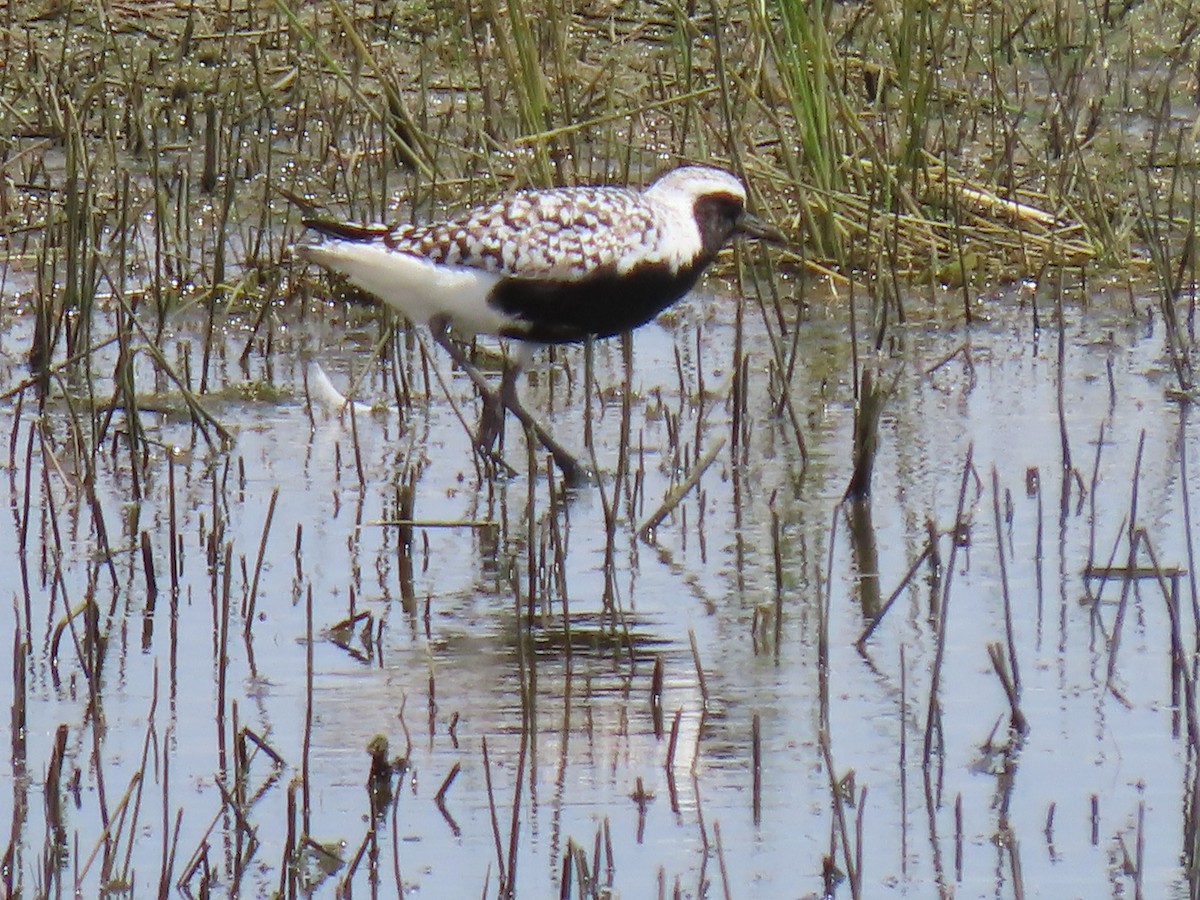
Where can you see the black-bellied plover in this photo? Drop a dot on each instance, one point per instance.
(552, 266)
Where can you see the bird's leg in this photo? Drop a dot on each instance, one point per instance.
(495, 403)
(491, 418)
(508, 386)
(491, 421)
(519, 356)
(574, 472)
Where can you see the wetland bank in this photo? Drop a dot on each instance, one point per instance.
(708, 675)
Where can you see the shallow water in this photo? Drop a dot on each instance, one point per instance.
(451, 661)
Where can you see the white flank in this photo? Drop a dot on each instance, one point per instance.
(415, 287)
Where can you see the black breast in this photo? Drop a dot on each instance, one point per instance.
(601, 305)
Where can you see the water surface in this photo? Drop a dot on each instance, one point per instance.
(450, 659)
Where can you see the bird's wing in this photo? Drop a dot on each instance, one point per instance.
(564, 234)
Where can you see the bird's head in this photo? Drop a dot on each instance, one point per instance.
(717, 200)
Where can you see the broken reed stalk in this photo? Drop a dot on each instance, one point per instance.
(824, 595)
(251, 599)
(1008, 618)
(297, 551)
(868, 410)
(656, 695)
(531, 557)
(148, 570)
(1177, 650)
(440, 796)
(143, 765)
(291, 845)
(510, 879)
(173, 527)
(738, 391)
(1130, 564)
(394, 831)
(609, 504)
(222, 628)
(53, 799)
(358, 464)
(306, 744)
(18, 720)
(1011, 690)
(24, 516)
(168, 861)
(756, 768)
(1009, 840)
(932, 796)
(487, 780)
(849, 854)
(699, 668)
(777, 553)
(728, 895)
(365, 845)
(933, 718)
(1186, 504)
(1093, 494)
(596, 858)
(783, 365)
(958, 837)
(908, 577)
(1139, 850)
(558, 544)
(675, 496)
(610, 866)
(564, 881)
(669, 764)
(859, 818)
(1060, 378)
(112, 829)
(902, 764)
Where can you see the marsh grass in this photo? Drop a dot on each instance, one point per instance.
(888, 141)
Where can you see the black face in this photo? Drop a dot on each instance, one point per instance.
(717, 215)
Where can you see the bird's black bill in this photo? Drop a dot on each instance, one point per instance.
(752, 226)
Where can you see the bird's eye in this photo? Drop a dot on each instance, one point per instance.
(731, 209)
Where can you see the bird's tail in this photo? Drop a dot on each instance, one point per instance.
(346, 231)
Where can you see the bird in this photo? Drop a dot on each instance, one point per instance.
(553, 266)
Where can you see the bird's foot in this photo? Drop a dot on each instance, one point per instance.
(495, 465)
